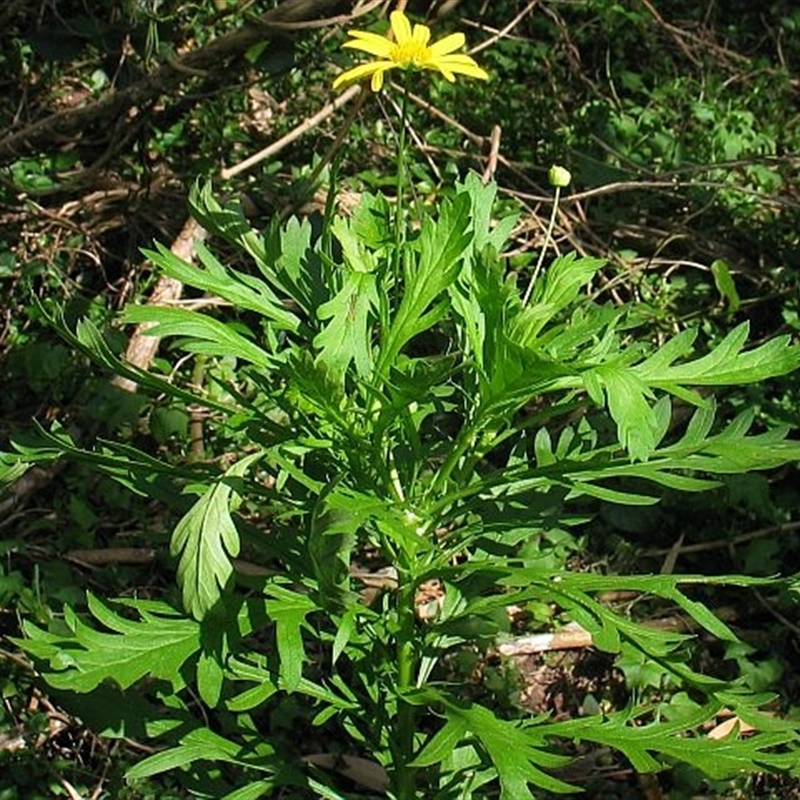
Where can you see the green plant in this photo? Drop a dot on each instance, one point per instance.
(415, 416)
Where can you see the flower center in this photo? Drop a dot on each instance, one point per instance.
(409, 53)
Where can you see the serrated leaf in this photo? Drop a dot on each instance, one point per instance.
(289, 609)
(285, 257)
(516, 754)
(638, 426)
(201, 333)
(682, 742)
(200, 744)
(210, 676)
(442, 744)
(251, 792)
(244, 291)
(725, 284)
(726, 364)
(554, 291)
(442, 243)
(346, 337)
(89, 340)
(154, 646)
(12, 467)
(206, 540)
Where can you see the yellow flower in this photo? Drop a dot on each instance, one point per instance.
(410, 49)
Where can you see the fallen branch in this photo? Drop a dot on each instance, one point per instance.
(142, 348)
(216, 55)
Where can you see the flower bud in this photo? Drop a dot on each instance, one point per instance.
(559, 176)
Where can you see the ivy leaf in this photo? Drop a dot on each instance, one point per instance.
(206, 540)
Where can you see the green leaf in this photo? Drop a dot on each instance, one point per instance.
(331, 539)
(210, 676)
(557, 289)
(238, 288)
(155, 645)
(482, 196)
(12, 467)
(201, 744)
(289, 609)
(516, 750)
(202, 333)
(285, 257)
(89, 340)
(346, 337)
(251, 792)
(725, 365)
(206, 540)
(638, 426)
(441, 245)
(682, 741)
(442, 744)
(725, 284)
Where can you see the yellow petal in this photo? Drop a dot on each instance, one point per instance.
(401, 27)
(377, 80)
(446, 72)
(369, 36)
(447, 45)
(461, 64)
(381, 49)
(421, 35)
(362, 71)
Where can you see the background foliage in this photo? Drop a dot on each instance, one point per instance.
(678, 122)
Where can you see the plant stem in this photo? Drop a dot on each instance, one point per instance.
(406, 665)
(406, 631)
(399, 226)
(546, 244)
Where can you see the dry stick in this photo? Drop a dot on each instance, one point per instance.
(503, 31)
(142, 348)
(312, 122)
(574, 636)
(677, 34)
(330, 154)
(671, 184)
(494, 154)
(296, 133)
(111, 555)
(719, 544)
(67, 124)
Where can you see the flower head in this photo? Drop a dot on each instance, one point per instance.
(409, 50)
(559, 176)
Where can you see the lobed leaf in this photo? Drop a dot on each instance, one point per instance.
(154, 646)
(206, 540)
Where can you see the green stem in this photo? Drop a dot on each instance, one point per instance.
(399, 226)
(404, 777)
(547, 238)
(406, 667)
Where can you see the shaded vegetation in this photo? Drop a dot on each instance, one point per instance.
(679, 124)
